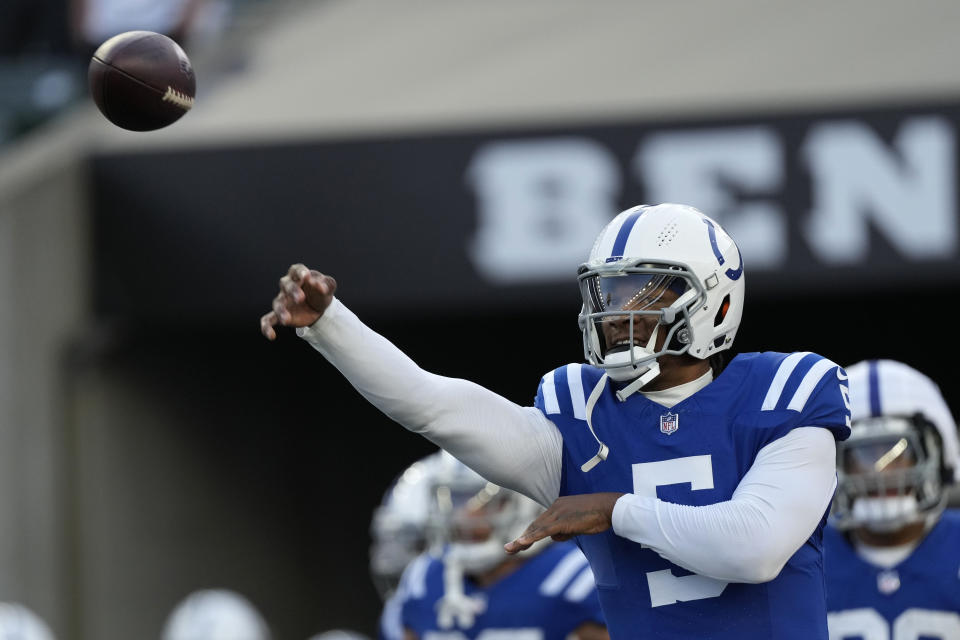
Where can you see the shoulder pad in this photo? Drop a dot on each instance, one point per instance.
(794, 379)
(565, 390)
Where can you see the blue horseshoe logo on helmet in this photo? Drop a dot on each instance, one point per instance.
(733, 274)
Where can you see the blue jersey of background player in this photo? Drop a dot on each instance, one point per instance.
(475, 590)
(892, 552)
(708, 486)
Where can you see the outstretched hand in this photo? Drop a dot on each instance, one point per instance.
(304, 295)
(567, 517)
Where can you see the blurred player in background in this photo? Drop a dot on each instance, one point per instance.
(892, 551)
(474, 589)
(398, 534)
(17, 622)
(706, 484)
(215, 614)
(398, 529)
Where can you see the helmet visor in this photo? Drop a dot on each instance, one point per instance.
(882, 466)
(469, 515)
(632, 291)
(888, 474)
(879, 456)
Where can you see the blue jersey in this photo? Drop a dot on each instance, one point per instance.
(696, 453)
(391, 618)
(546, 598)
(918, 598)
(412, 585)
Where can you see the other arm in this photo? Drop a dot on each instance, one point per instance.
(749, 538)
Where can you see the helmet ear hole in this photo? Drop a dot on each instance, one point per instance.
(722, 311)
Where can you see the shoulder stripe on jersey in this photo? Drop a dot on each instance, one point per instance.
(557, 579)
(809, 383)
(415, 577)
(550, 403)
(575, 382)
(391, 620)
(580, 588)
(873, 381)
(780, 379)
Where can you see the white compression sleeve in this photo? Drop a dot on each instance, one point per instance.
(513, 446)
(750, 537)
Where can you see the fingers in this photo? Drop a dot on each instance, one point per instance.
(298, 272)
(280, 309)
(322, 284)
(291, 288)
(267, 322)
(329, 284)
(515, 547)
(303, 297)
(299, 277)
(532, 534)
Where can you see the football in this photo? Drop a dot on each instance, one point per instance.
(141, 80)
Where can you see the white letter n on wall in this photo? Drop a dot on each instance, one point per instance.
(908, 192)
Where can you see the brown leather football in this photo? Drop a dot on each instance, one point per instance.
(141, 80)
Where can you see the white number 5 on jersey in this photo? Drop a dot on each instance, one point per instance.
(666, 588)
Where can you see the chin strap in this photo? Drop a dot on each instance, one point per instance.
(591, 402)
(652, 372)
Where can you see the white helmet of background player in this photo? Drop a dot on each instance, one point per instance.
(398, 529)
(472, 518)
(215, 614)
(17, 622)
(902, 451)
(642, 253)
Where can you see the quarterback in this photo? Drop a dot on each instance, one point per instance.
(697, 488)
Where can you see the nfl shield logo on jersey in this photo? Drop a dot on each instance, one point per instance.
(669, 423)
(888, 581)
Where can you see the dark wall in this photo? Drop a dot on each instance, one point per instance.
(844, 201)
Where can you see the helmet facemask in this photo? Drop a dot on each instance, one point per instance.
(890, 475)
(476, 526)
(474, 518)
(471, 519)
(627, 307)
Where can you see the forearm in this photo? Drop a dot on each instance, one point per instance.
(775, 508)
(513, 446)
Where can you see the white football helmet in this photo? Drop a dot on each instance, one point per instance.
(215, 614)
(471, 518)
(902, 452)
(17, 622)
(398, 530)
(643, 253)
